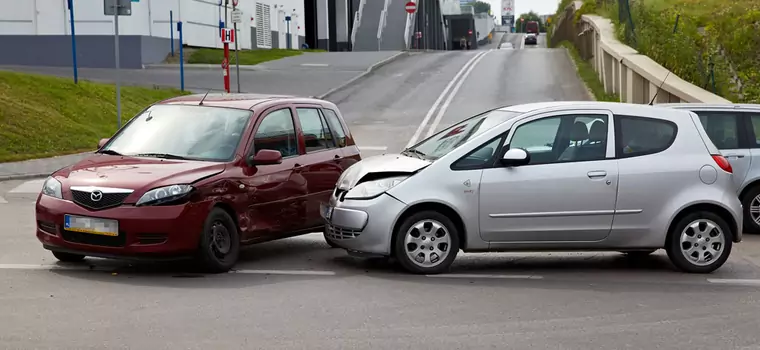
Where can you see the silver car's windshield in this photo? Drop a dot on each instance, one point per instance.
(449, 139)
(182, 132)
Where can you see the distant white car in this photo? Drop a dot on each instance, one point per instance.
(506, 46)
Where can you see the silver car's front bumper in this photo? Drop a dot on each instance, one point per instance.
(364, 226)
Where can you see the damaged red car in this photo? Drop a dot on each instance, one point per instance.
(198, 177)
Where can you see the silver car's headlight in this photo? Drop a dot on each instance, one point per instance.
(165, 194)
(371, 189)
(52, 188)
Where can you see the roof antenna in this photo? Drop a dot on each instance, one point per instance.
(204, 97)
(658, 88)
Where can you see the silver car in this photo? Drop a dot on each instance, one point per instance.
(735, 130)
(537, 177)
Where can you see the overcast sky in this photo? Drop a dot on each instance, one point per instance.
(542, 7)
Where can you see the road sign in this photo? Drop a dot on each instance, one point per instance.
(411, 7)
(507, 7)
(237, 16)
(235, 3)
(225, 63)
(228, 35)
(124, 7)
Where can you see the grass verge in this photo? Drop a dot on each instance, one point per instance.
(247, 57)
(43, 116)
(588, 75)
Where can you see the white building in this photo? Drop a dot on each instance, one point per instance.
(38, 32)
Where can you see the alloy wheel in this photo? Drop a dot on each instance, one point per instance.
(702, 242)
(427, 243)
(754, 210)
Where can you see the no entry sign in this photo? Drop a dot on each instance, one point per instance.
(411, 7)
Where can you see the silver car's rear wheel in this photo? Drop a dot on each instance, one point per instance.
(427, 242)
(700, 242)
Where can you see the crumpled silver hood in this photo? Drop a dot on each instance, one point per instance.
(386, 163)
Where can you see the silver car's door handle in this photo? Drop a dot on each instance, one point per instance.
(597, 174)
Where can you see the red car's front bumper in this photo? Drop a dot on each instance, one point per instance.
(151, 232)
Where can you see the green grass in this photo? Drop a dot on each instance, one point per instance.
(43, 116)
(588, 75)
(724, 33)
(247, 57)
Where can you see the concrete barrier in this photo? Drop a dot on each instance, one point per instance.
(624, 71)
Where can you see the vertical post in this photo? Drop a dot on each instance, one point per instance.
(237, 58)
(226, 53)
(171, 29)
(118, 65)
(73, 42)
(181, 58)
(288, 39)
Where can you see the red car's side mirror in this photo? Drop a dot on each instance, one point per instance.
(102, 143)
(265, 157)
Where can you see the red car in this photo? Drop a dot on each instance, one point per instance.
(195, 177)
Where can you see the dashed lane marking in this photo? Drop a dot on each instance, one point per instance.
(737, 282)
(287, 272)
(3, 201)
(472, 276)
(373, 148)
(33, 186)
(315, 64)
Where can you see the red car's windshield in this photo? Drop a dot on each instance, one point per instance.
(192, 132)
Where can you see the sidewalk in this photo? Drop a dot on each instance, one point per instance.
(36, 168)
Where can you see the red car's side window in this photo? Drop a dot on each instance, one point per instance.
(277, 132)
(316, 132)
(335, 126)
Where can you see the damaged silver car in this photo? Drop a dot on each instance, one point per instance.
(558, 176)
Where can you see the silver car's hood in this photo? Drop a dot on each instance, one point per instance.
(386, 163)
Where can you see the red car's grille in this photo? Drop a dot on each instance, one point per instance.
(106, 200)
(87, 238)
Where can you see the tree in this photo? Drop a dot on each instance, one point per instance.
(480, 6)
(530, 16)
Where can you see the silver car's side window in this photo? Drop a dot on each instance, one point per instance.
(566, 138)
(722, 128)
(640, 136)
(755, 121)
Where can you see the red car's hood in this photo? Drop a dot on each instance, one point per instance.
(136, 173)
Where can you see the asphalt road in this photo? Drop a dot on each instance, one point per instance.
(299, 294)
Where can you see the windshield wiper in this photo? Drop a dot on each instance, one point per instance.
(161, 155)
(412, 150)
(110, 152)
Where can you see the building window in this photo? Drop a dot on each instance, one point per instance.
(263, 26)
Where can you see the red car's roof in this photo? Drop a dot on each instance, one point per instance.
(242, 101)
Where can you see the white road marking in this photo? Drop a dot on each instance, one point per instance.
(453, 93)
(287, 272)
(3, 201)
(522, 41)
(464, 275)
(315, 64)
(33, 186)
(373, 148)
(42, 267)
(740, 282)
(430, 112)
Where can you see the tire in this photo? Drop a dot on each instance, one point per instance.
(220, 255)
(749, 224)
(68, 257)
(704, 238)
(328, 240)
(427, 221)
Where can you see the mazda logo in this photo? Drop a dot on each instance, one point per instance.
(96, 195)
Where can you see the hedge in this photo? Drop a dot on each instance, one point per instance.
(718, 33)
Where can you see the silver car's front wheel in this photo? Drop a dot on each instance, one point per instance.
(427, 242)
(700, 242)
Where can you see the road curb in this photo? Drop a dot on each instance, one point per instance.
(369, 70)
(23, 176)
(200, 67)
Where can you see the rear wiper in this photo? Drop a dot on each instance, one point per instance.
(110, 152)
(161, 155)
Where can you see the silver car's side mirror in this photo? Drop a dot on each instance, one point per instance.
(515, 157)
